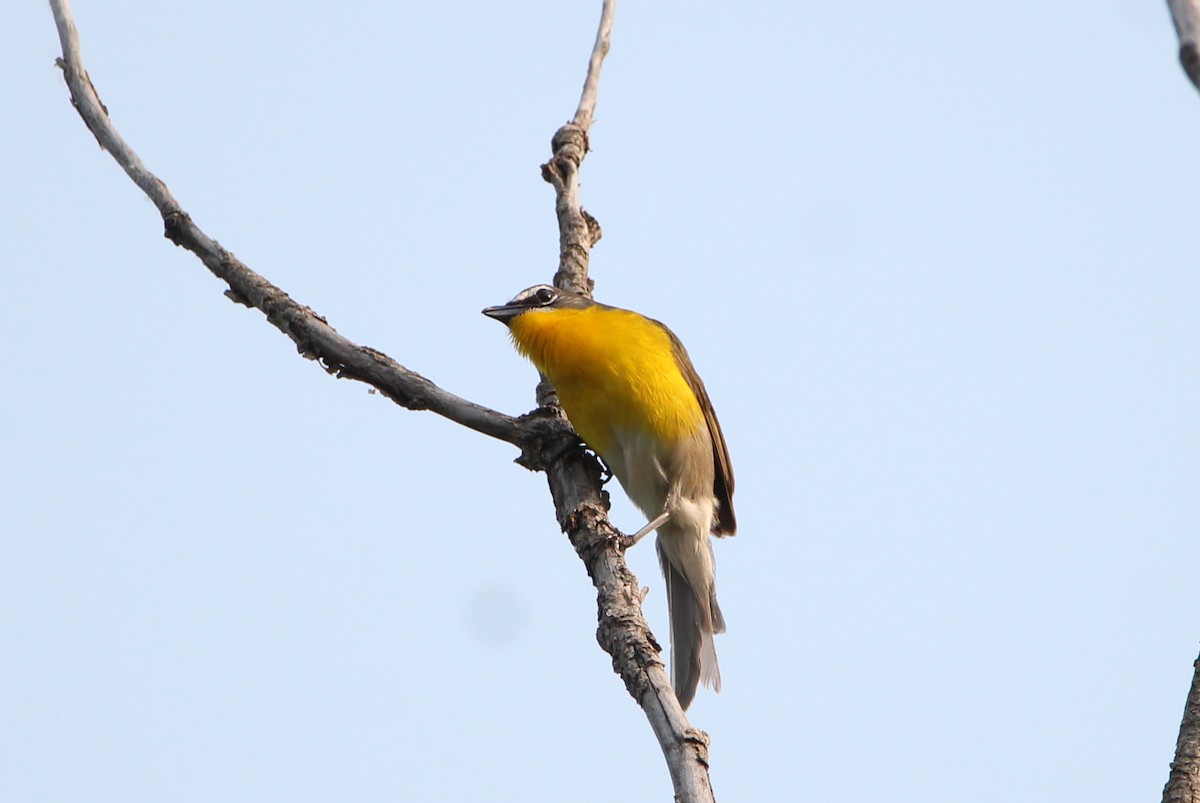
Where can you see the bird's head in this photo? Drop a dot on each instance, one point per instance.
(538, 297)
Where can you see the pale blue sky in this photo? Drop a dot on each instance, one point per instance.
(936, 262)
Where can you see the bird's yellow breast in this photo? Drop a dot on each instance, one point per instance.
(615, 372)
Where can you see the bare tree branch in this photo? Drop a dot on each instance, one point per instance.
(591, 84)
(577, 230)
(313, 335)
(623, 632)
(1183, 785)
(546, 439)
(575, 480)
(1186, 14)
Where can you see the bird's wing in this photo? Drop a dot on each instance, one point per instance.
(726, 523)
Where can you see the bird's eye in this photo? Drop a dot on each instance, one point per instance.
(544, 295)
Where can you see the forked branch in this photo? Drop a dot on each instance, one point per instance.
(544, 436)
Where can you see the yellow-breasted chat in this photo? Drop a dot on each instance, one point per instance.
(629, 388)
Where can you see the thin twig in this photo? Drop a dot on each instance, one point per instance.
(313, 335)
(591, 84)
(577, 230)
(1186, 14)
(575, 481)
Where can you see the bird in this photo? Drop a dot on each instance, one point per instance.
(630, 390)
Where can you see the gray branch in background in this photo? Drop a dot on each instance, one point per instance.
(1183, 784)
(546, 440)
(1186, 14)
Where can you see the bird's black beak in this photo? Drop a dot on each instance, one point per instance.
(505, 312)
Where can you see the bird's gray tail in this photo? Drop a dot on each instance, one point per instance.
(695, 617)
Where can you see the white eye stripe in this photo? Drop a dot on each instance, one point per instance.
(539, 293)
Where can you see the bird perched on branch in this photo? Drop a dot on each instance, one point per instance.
(629, 389)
